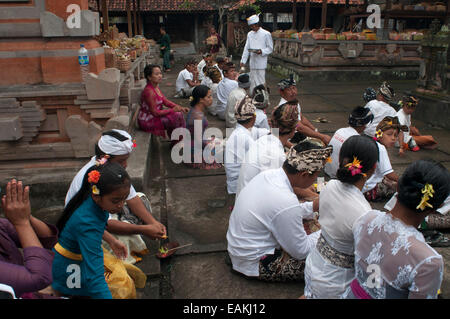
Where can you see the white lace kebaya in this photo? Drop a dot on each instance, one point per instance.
(392, 259)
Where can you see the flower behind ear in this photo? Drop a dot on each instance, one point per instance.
(93, 177)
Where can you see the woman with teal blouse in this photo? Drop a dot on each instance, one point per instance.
(78, 268)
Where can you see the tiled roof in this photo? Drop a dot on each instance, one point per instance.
(157, 5)
(351, 2)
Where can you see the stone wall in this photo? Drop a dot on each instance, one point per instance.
(310, 52)
(37, 46)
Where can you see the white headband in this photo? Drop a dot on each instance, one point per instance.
(112, 146)
(253, 19)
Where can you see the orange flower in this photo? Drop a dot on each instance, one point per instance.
(93, 177)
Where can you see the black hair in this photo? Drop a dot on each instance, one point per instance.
(198, 93)
(148, 71)
(415, 177)
(220, 59)
(292, 102)
(359, 117)
(260, 87)
(297, 138)
(300, 147)
(364, 149)
(99, 153)
(112, 177)
(190, 62)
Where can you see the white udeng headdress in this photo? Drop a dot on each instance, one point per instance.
(112, 146)
(253, 19)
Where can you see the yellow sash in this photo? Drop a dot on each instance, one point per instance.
(67, 253)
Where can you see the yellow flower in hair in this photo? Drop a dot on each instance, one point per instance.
(191, 98)
(355, 166)
(329, 160)
(378, 134)
(95, 190)
(390, 123)
(427, 192)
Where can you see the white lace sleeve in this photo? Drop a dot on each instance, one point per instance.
(425, 282)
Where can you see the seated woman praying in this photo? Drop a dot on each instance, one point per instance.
(25, 244)
(392, 259)
(201, 100)
(153, 117)
(330, 265)
(266, 237)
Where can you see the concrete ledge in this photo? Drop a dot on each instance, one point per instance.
(342, 74)
(433, 110)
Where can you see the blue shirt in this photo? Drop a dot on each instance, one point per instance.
(83, 234)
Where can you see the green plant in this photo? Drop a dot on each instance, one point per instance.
(250, 7)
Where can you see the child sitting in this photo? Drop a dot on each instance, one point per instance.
(357, 122)
(78, 252)
(412, 139)
(261, 101)
(383, 183)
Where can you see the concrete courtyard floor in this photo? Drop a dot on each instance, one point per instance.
(195, 206)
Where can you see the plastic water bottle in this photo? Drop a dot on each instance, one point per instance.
(83, 60)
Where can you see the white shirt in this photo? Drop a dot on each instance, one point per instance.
(337, 140)
(383, 168)
(266, 153)
(379, 110)
(182, 78)
(261, 39)
(214, 96)
(299, 109)
(405, 119)
(267, 215)
(261, 119)
(200, 67)
(77, 182)
(340, 205)
(408, 266)
(236, 147)
(235, 96)
(223, 91)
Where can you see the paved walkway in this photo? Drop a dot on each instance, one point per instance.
(195, 206)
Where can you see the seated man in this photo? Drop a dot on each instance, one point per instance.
(225, 87)
(236, 96)
(116, 146)
(266, 237)
(268, 151)
(380, 108)
(202, 67)
(357, 122)
(187, 80)
(240, 141)
(289, 92)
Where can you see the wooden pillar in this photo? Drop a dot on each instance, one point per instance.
(324, 14)
(275, 21)
(448, 12)
(307, 12)
(196, 43)
(294, 15)
(140, 26)
(135, 17)
(105, 15)
(386, 20)
(130, 27)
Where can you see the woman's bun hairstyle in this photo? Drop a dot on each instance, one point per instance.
(362, 148)
(414, 179)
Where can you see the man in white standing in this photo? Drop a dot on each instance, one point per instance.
(258, 46)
